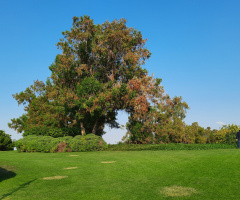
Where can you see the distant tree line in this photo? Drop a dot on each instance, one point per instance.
(179, 132)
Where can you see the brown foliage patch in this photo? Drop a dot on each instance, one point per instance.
(7, 168)
(141, 104)
(135, 84)
(62, 147)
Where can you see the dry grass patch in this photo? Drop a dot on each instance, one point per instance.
(178, 191)
(108, 161)
(71, 168)
(8, 168)
(54, 177)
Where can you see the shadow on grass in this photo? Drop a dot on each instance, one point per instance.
(15, 190)
(6, 174)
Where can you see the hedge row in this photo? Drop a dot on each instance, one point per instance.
(52, 131)
(169, 147)
(91, 142)
(33, 143)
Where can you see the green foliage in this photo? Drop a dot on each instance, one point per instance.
(176, 131)
(6, 143)
(138, 134)
(158, 81)
(33, 143)
(162, 123)
(227, 134)
(52, 131)
(168, 147)
(89, 142)
(89, 86)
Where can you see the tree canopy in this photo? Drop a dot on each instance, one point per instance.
(98, 73)
(6, 143)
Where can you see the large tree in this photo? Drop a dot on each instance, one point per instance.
(98, 73)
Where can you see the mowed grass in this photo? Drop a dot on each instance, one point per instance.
(204, 174)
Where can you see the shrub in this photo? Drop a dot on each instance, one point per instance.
(52, 131)
(89, 142)
(168, 147)
(6, 143)
(33, 143)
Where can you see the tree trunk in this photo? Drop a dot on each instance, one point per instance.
(82, 129)
(94, 130)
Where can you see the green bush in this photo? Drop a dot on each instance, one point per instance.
(33, 143)
(168, 147)
(6, 143)
(89, 142)
(52, 131)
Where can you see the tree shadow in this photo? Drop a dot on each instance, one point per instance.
(15, 190)
(6, 174)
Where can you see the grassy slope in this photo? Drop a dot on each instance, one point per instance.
(215, 174)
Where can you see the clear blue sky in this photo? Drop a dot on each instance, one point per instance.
(195, 47)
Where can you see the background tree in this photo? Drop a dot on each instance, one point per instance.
(227, 134)
(6, 143)
(161, 120)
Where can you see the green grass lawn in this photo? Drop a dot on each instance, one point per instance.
(204, 174)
